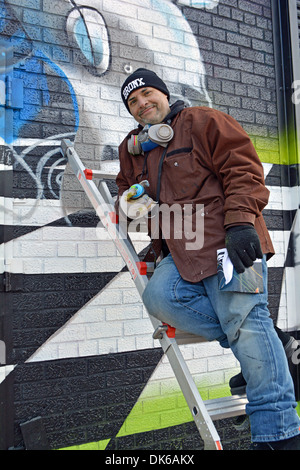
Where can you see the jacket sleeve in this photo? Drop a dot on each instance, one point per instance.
(124, 178)
(238, 168)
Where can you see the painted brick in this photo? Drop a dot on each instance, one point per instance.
(77, 263)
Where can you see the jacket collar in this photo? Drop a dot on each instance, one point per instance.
(175, 108)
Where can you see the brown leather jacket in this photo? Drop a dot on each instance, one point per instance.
(211, 161)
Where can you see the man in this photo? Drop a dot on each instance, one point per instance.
(210, 165)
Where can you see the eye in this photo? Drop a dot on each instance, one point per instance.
(132, 102)
(87, 32)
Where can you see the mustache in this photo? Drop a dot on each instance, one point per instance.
(145, 109)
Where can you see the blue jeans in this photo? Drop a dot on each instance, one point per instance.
(240, 321)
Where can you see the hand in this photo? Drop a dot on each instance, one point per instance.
(243, 246)
(136, 208)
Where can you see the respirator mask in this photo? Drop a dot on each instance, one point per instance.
(149, 138)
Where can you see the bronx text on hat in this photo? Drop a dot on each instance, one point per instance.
(138, 82)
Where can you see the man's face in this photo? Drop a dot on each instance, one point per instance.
(148, 105)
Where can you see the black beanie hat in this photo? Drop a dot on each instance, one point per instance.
(142, 78)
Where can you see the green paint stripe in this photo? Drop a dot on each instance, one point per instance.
(101, 445)
(142, 418)
(269, 151)
(150, 414)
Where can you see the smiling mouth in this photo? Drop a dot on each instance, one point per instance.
(146, 110)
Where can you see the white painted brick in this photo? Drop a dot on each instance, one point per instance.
(106, 249)
(89, 314)
(138, 327)
(277, 261)
(106, 346)
(37, 249)
(110, 297)
(277, 236)
(72, 333)
(131, 296)
(90, 135)
(156, 46)
(36, 235)
(152, 16)
(52, 352)
(139, 27)
(209, 379)
(122, 312)
(187, 352)
(111, 123)
(124, 280)
(87, 249)
(5, 371)
(169, 61)
(114, 6)
(165, 372)
(62, 233)
(88, 348)
(64, 265)
(112, 264)
(67, 249)
(145, 312)
(126, 344)
(13, 265)
(124, 37)
(96, 233)
(198, 366)
(37, 213)
(170, 75)
(104, 330)
(34, 266)
(92, 106)
(221, 362)
(91, 91)
(70, 349)
(207, 349)
(111, 93)
(146, 342)
(167, 34)
(279, 248)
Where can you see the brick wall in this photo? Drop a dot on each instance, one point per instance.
(79, 335)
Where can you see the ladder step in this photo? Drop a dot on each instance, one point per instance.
(227, 407)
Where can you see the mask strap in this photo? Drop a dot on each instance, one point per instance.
(159, 174)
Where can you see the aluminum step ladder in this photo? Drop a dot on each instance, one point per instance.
(203, 412)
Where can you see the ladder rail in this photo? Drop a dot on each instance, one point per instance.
(103, 204)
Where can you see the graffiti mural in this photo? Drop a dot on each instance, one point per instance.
(79, 79)
(61, 77)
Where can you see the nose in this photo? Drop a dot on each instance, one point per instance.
(142, 101)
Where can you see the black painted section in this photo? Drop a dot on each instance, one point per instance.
(43, 303)
(81, 400)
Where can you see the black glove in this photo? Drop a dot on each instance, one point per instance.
(243, 246)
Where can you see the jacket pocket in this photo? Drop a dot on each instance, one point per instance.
(183, 150)
(180, 173)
